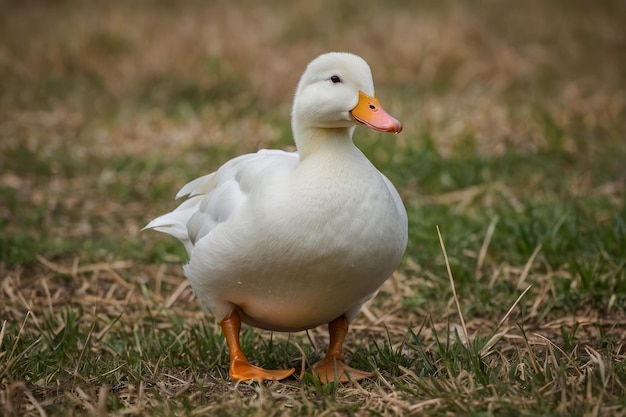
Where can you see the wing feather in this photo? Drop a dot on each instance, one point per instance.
(213, 198)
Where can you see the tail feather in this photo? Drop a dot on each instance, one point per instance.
(175, 222)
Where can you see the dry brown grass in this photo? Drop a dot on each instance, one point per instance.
(108, 291)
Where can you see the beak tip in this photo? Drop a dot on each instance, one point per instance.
(395, 126)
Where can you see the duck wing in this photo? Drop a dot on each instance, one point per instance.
(213, 198)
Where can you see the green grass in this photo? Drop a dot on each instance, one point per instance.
(513, 146)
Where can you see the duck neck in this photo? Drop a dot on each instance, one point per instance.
(314, 140)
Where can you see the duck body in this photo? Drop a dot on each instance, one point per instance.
(288, 241)
(313, 240)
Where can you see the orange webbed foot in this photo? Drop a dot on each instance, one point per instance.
(242, 370)
(329, 370)
(240, 367)
(332, 368)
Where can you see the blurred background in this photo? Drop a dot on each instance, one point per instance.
(107, 107)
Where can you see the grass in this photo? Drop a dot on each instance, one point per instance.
(513, 147)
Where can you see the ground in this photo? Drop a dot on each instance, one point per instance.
(513, 148)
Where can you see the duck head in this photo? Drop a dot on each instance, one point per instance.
(337, 91)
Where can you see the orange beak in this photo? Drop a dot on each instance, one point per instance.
(369, 112)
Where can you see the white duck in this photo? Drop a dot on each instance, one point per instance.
(288, 241)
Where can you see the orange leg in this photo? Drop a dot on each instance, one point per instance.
(240, 368)
(332, 368)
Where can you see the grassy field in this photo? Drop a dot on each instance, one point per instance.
(514, 146)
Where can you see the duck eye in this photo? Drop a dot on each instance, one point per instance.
(335, 79)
